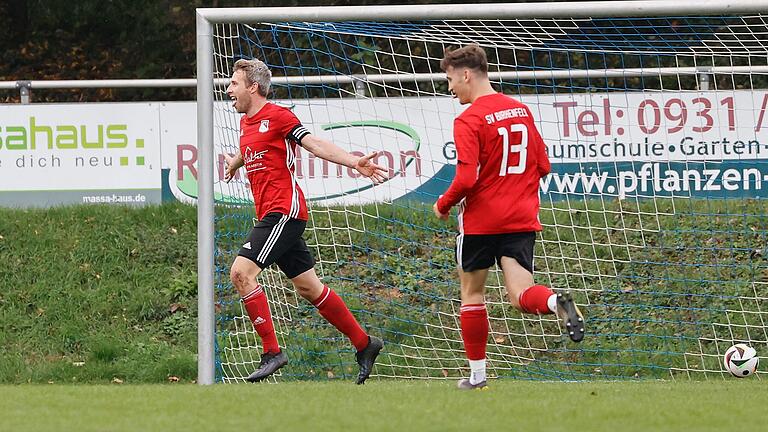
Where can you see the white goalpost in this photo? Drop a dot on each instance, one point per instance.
(654, 217)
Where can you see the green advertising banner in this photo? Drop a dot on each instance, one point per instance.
(79, 153)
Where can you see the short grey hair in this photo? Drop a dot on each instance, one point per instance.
(256, 72)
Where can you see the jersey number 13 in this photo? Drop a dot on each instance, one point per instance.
(521, 148)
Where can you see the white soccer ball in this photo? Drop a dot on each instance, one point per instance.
(741, 360)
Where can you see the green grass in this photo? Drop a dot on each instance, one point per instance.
(92, 293)
(391, 406)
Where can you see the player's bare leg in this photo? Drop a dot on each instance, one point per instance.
(538, 299)
(516, 279)
(308, 285)
(474, 326)
(243, 275)
(333, 309)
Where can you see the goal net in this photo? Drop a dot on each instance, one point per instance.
(654, 213)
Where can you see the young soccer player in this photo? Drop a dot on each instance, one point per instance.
(268, 138)
(501, 158)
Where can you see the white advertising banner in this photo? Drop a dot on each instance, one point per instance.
(409, 136)
(703, 144)
(711, 144)
(79, 153)
(670, 126)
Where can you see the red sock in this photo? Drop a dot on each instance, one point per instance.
(474, 330)
(258, 310)
(333, 309)
(534, 300)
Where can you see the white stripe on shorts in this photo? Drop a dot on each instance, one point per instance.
(272, 239)
(459, 249)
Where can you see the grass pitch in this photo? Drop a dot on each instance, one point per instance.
(390, 406)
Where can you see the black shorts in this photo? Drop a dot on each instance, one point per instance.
(278, 239)
(481, 251)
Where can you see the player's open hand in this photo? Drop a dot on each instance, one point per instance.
(443, 216)
(366, 167)
(231, 167)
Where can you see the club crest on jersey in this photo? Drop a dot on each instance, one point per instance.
(264, 126)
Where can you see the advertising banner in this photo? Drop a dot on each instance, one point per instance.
(79, 153)
(646, 144)
(409, 136)
(686, 144)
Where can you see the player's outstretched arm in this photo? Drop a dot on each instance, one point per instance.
(331, 152)
(233, 163)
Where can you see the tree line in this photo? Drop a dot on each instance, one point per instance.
(151, 39)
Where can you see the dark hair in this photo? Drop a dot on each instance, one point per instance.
(471, 57)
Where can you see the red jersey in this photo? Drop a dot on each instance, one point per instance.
(268, 146)
(501, 158)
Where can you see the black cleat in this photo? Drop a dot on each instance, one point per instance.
(572, 318)
(367, 357)
(270, 363)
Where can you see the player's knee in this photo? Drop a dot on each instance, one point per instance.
(239, 278)
(308, 288)
(307, 291)
(303, 291)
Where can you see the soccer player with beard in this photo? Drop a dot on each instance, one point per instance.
(501, 157)
(268, 138)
